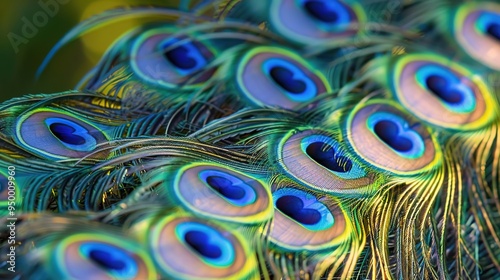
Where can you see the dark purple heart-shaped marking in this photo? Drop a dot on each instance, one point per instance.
(286, 79)
(225, 187)
(494, 31)
(325, 155)
(106, 260)
(65, 133)
(445, 89)
(321, 11)
(200, 242)
(293, 207)
(181, 57)
(390, 132)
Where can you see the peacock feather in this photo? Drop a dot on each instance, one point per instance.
(238, 139)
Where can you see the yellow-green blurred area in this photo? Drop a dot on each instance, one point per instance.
(23, 47)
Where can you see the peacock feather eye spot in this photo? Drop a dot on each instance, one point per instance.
(66, 134)
(321, 11)
(315, 21)
(293, 207)
(110, 258)
(442, 92)
(225, 187)
(71, 134)
(476, 29)
(60, 134)
(395, 132)
(163, 59)
(321, 162)
(285, 78)
(326, 155)
(440, 87)
(290, 77)
(207, 242)
(278, 77)
(232, 188)
(493, 30)
(179, 56)
(106, 260)
(389, 138)
(186, 247)
(186, 57)
(199, 241)
(305, 221)
(390, 133)
(487, 22)
(453, 90)
(222, 193)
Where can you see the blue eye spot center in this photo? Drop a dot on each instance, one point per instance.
(106, 260)
(65, 133)
(389, 132)
(454, 90)
(293, 207)
(207, 243)
(199, 241)
(285, 78)
(321, 11)
(494, 31)
(112, 259)
(181, 58)
(326, 155)
(440, 87)
(225, 187)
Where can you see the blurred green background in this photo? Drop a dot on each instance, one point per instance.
(18, 67)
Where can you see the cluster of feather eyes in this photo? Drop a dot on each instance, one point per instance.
(241, 139)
